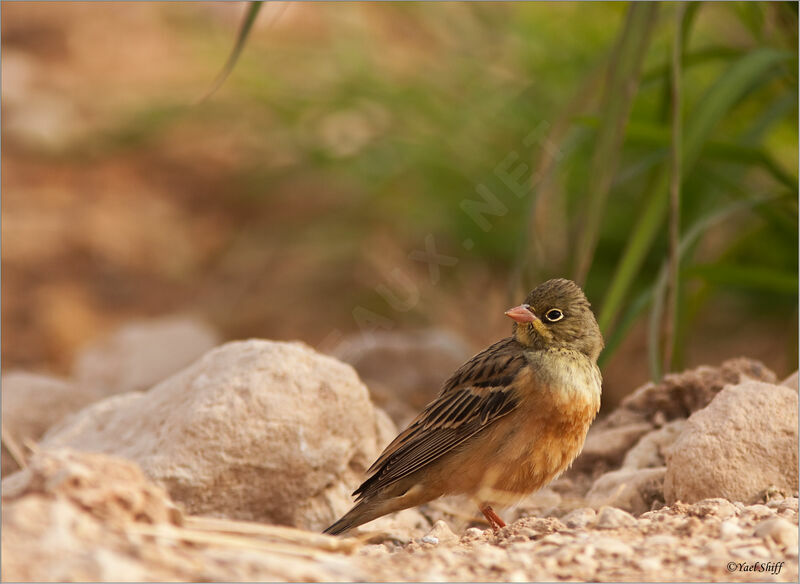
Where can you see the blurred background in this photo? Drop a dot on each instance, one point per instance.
(400, 167)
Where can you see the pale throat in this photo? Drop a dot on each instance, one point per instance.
(535, 334)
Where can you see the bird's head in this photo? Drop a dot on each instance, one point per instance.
(556, 314)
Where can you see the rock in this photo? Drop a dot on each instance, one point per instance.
(791, 381)
(606, 447)
(648, 452)
(612, 547)
(402, 526)
(539, 525)
(113, 490)
(139, 355)
(579, 517)
(778, 530)
(680, 394)
(633, 490)
(744, 442)
(77, 516)
(758, 511)
(611, 518)
(661, 540)
(719, 508)
(729, 529)
(32, 403)
(257, 430)
(654, 405)
(649, 564)
(442, 532)
(472, 533)
(403, 370)
(62, 513)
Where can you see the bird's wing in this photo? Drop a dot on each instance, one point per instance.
(480, 392)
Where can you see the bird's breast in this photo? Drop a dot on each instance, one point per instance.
(564, 381)
(555, 414)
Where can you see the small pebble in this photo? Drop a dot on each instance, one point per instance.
(760, 551)
(714, 548)
(698, 561)
(651, 564)
(611, 517)
(491, 556)
(555, 538)
(442, 532)
(527, 532)
(778, 530)
(473, 533)
(720, 508)
(759, 511)
(613, 547)
(729, 529)
(430, 539)
(661, 539)
(579, 517)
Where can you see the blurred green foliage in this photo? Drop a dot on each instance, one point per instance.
(408, 129)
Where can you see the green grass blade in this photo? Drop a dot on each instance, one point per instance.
(728, 89)
(624, 71)
(244, 31)
(688, 240)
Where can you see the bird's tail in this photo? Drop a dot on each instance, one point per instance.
(361, 513)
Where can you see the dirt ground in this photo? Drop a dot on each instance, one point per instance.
(118, 527)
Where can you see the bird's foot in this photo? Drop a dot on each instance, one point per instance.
(492, 517)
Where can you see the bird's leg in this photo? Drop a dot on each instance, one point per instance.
(492, 517)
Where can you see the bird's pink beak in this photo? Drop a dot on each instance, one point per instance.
(521, 313)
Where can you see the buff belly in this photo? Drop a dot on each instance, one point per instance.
(539, 441)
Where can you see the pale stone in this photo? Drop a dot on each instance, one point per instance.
(633, 490)
(257, 430)
(744, 442)
(579, 517)
(778, 530)
(611, 517)
(649, 451)
(141, 354)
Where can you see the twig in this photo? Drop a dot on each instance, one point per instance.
(272, 532)
(202, 536)
(13, 447)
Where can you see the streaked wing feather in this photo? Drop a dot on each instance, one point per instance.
(478, 393)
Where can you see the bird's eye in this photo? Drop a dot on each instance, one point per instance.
(554, 315)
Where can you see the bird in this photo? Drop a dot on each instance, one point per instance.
(506, 423)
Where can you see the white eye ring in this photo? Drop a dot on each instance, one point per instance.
(554, 315)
